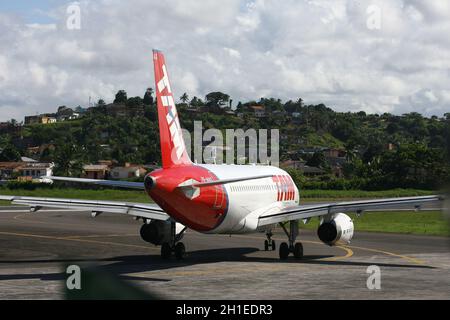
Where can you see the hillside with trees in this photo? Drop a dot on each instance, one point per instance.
(381, 151)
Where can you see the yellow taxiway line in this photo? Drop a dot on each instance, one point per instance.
(27, 235)
(347, 249)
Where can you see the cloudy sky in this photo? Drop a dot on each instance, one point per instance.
(378, 56)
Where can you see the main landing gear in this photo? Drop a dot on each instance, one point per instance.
(292, 247)
(173, 246)
(269, 244)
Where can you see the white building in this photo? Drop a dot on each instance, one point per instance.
(128, 171)
(36, 170)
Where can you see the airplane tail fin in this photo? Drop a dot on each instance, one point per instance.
(173, 149)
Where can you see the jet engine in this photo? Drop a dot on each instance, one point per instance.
(338, 229)
(158, 232)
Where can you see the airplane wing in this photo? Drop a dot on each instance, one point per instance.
(106, 183)
(317, 210)
(140, 210)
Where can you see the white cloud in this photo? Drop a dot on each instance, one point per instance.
(319, 50)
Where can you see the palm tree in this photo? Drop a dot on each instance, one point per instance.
(184, 98)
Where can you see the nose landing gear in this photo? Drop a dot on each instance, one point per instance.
(269, 244)
(293, 247)
(174, 246)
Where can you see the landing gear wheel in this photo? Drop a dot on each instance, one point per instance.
(284, 251)
(266, 245)
(180, 251)
(298, 251)
(274, 247)
(166, 251)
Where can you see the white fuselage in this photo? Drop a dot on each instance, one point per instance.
(247, 200)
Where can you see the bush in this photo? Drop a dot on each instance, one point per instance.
(15, 185)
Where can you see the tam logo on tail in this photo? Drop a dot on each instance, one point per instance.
(173, 150)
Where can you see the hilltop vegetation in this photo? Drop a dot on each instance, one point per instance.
(417, 157)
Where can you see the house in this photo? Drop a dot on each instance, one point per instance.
(36, 170)
(311, 171)
(41, 119)
(334, 153)
(48, 119)
(108, 163)
(95, 171)
(9, 169)
(127, 171)
(73, 116)
(293, 164)
(29, 120)
(302, 167)
(26, 159)
(259, 111)
(311, 151)
(65, 113)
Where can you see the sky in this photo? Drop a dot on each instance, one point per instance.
(377, 56)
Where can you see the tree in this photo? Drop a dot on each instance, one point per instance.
(217, 99)
(148, 97)
(121, 97)
(184, 98)
(101, 103)
(317, 160)
(9, 153)
(133, 102)
(196, 102)
(67, 161)
(239, 107)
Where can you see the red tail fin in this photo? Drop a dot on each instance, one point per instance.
(173, 149)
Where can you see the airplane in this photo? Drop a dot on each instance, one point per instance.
(218, 199)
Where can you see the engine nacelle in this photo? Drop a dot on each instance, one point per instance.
(158, 232)
(337, 230)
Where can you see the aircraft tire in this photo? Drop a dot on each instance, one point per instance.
(180, 251)
(298, 251)
(284, 251)
(166, 251)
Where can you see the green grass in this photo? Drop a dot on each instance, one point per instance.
(409, 222)
(425, 222)
(334, 195)
(326, 139)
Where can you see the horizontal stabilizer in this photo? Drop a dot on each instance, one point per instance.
(224, 181)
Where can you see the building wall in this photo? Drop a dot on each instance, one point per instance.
(36, 173)
(125, 173)
(100, 174)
